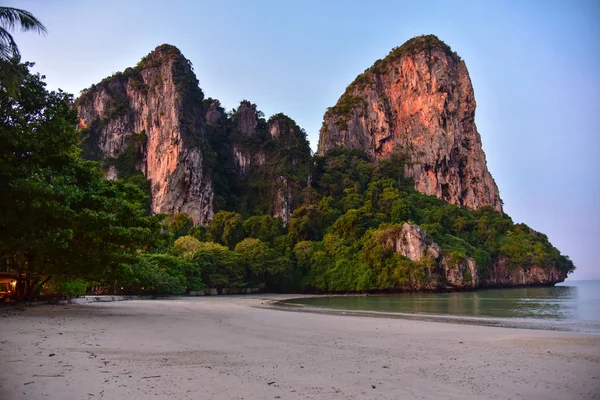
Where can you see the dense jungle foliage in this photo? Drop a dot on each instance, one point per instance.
(63, 227)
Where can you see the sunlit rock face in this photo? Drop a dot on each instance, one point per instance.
(418, 102)
(159, 99)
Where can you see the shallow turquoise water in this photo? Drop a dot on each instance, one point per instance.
(570, 306)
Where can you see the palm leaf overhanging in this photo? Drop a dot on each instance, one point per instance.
(10, 19)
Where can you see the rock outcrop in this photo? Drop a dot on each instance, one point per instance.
(461, 273)
(282, 206)
(246, 117)
(447, 270)
(413, 243)
(272, 157)
(160, 99)
(245, 121)
(418, 102)
(503, 274)
(213, 113)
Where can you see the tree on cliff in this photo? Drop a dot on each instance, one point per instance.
(58, 215)
(10, 19)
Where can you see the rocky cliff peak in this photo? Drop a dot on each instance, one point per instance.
(156, 108)
(214, 111)
(246, 117)
(417, 101)
(283, 128)
(161, 54)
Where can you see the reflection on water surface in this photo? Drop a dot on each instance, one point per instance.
(571, 303)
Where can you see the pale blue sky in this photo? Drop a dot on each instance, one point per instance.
(535, 67)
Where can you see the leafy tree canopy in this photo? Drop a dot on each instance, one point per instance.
(58, 215)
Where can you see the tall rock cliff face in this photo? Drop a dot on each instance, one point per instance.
(159, 100)
(273, 159)
(418, 101)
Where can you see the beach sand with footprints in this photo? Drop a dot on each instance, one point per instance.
(238, 347)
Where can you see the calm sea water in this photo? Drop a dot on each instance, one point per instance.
(573, 306)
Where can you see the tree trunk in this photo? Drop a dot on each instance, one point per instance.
(39, 286)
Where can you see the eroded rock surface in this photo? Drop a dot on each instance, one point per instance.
(159, 99)
(413, 243)
(419, 102)
(447, 270)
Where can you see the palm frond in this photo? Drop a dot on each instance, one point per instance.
(8, 46)
(11, 17)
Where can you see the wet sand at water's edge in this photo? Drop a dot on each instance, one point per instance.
(238, 348)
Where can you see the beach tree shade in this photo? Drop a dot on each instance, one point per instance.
(58, 215)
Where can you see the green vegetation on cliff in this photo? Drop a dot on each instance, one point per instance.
(284, 160)
(336, 240)
(63, 224)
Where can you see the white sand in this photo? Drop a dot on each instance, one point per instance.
(223, 348)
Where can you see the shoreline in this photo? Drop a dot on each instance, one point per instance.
(512, 323)
(283, 303)
(229, 292)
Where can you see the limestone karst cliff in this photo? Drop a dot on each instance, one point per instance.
(158, 103)
(349, 218)
(198, 159)
(417, 101)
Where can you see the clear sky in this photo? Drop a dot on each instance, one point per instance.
(535, 67)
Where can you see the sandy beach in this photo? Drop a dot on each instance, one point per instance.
(236, 348)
